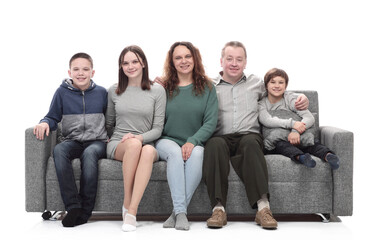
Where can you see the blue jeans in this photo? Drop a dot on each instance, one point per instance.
(89, 153)
(183, 176)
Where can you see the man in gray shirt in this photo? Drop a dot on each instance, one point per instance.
(237, 139)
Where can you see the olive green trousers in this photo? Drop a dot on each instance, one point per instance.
(245, 152)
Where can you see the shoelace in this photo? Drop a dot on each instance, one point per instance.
(267, 216)
(216, 214)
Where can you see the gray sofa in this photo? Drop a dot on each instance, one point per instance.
(294, 189)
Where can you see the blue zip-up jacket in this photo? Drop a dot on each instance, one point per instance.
(81, 113)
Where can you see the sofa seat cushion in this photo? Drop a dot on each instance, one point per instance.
(107, 170)
(280, 169)
(283, 169)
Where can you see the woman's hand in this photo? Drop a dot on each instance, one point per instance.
(294, 138)
(300, 127)
(187, 150)
(40, 129)
(159, 80)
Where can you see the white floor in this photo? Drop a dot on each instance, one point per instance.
(33, 227)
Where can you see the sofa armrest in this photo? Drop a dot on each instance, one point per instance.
(36, 156)
(342, 143)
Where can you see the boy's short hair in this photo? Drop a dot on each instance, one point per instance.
(275, 72)
(234, 44)
(81, 55)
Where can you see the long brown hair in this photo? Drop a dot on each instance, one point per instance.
(123, 80)
(200, 79)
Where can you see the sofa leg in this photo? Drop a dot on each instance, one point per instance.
(324, 216)
(57, 215)
(46, 215)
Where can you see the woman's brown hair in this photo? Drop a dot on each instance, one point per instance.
(123, 80)
(171, 80)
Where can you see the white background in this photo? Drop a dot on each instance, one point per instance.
(333, 47)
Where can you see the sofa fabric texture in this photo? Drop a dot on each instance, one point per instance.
(294, 188)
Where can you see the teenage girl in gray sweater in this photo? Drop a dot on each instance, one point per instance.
(136, 111)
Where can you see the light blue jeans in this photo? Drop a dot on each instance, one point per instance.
(183, 176)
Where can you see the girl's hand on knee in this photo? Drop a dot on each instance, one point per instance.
(127, 136)
(187, 150)
(139, 137)
(130, 135)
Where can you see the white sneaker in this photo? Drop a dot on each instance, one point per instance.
(129, 222)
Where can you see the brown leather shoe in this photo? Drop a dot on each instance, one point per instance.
(218, 219)
(265, 219)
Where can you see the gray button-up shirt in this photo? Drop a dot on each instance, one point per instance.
(238, 105)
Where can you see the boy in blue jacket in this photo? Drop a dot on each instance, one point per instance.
(79, 104)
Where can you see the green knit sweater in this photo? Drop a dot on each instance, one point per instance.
(191, 118)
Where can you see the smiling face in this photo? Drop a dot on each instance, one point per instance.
(276, 87)
(183, 60)
(233, 63)
(132, 66)
(81, 72)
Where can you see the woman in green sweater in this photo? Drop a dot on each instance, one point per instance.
(191, 118)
